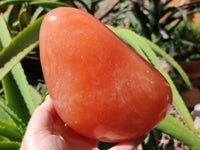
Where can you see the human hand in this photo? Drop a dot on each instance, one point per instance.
(46, 131)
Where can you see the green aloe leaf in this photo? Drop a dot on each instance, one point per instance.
(10, 131)
(18, 94)
(43, 3)
(173, 127)
(16, 88)
(15, 119)
(9, 145)
(24, 16)
(19, 47)
(6, 3)
(49, 4)
(4, 115)
(181, 108)
(4, 32)
(36, 14)
(3, 138)
(10, 15)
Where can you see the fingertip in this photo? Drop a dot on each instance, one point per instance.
(45, 107)
(47, 102)
(47, 97)
(123, 147)
(129, 145)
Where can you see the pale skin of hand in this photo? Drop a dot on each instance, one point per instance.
(46, 131)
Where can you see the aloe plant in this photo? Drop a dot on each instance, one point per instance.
(156, 20)
(19, 37)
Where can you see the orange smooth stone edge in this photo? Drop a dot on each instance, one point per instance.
(100, 86)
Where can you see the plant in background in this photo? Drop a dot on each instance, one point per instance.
(156, 19)
(190, 50)
(20, 24)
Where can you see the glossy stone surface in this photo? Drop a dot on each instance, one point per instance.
(100, 86)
